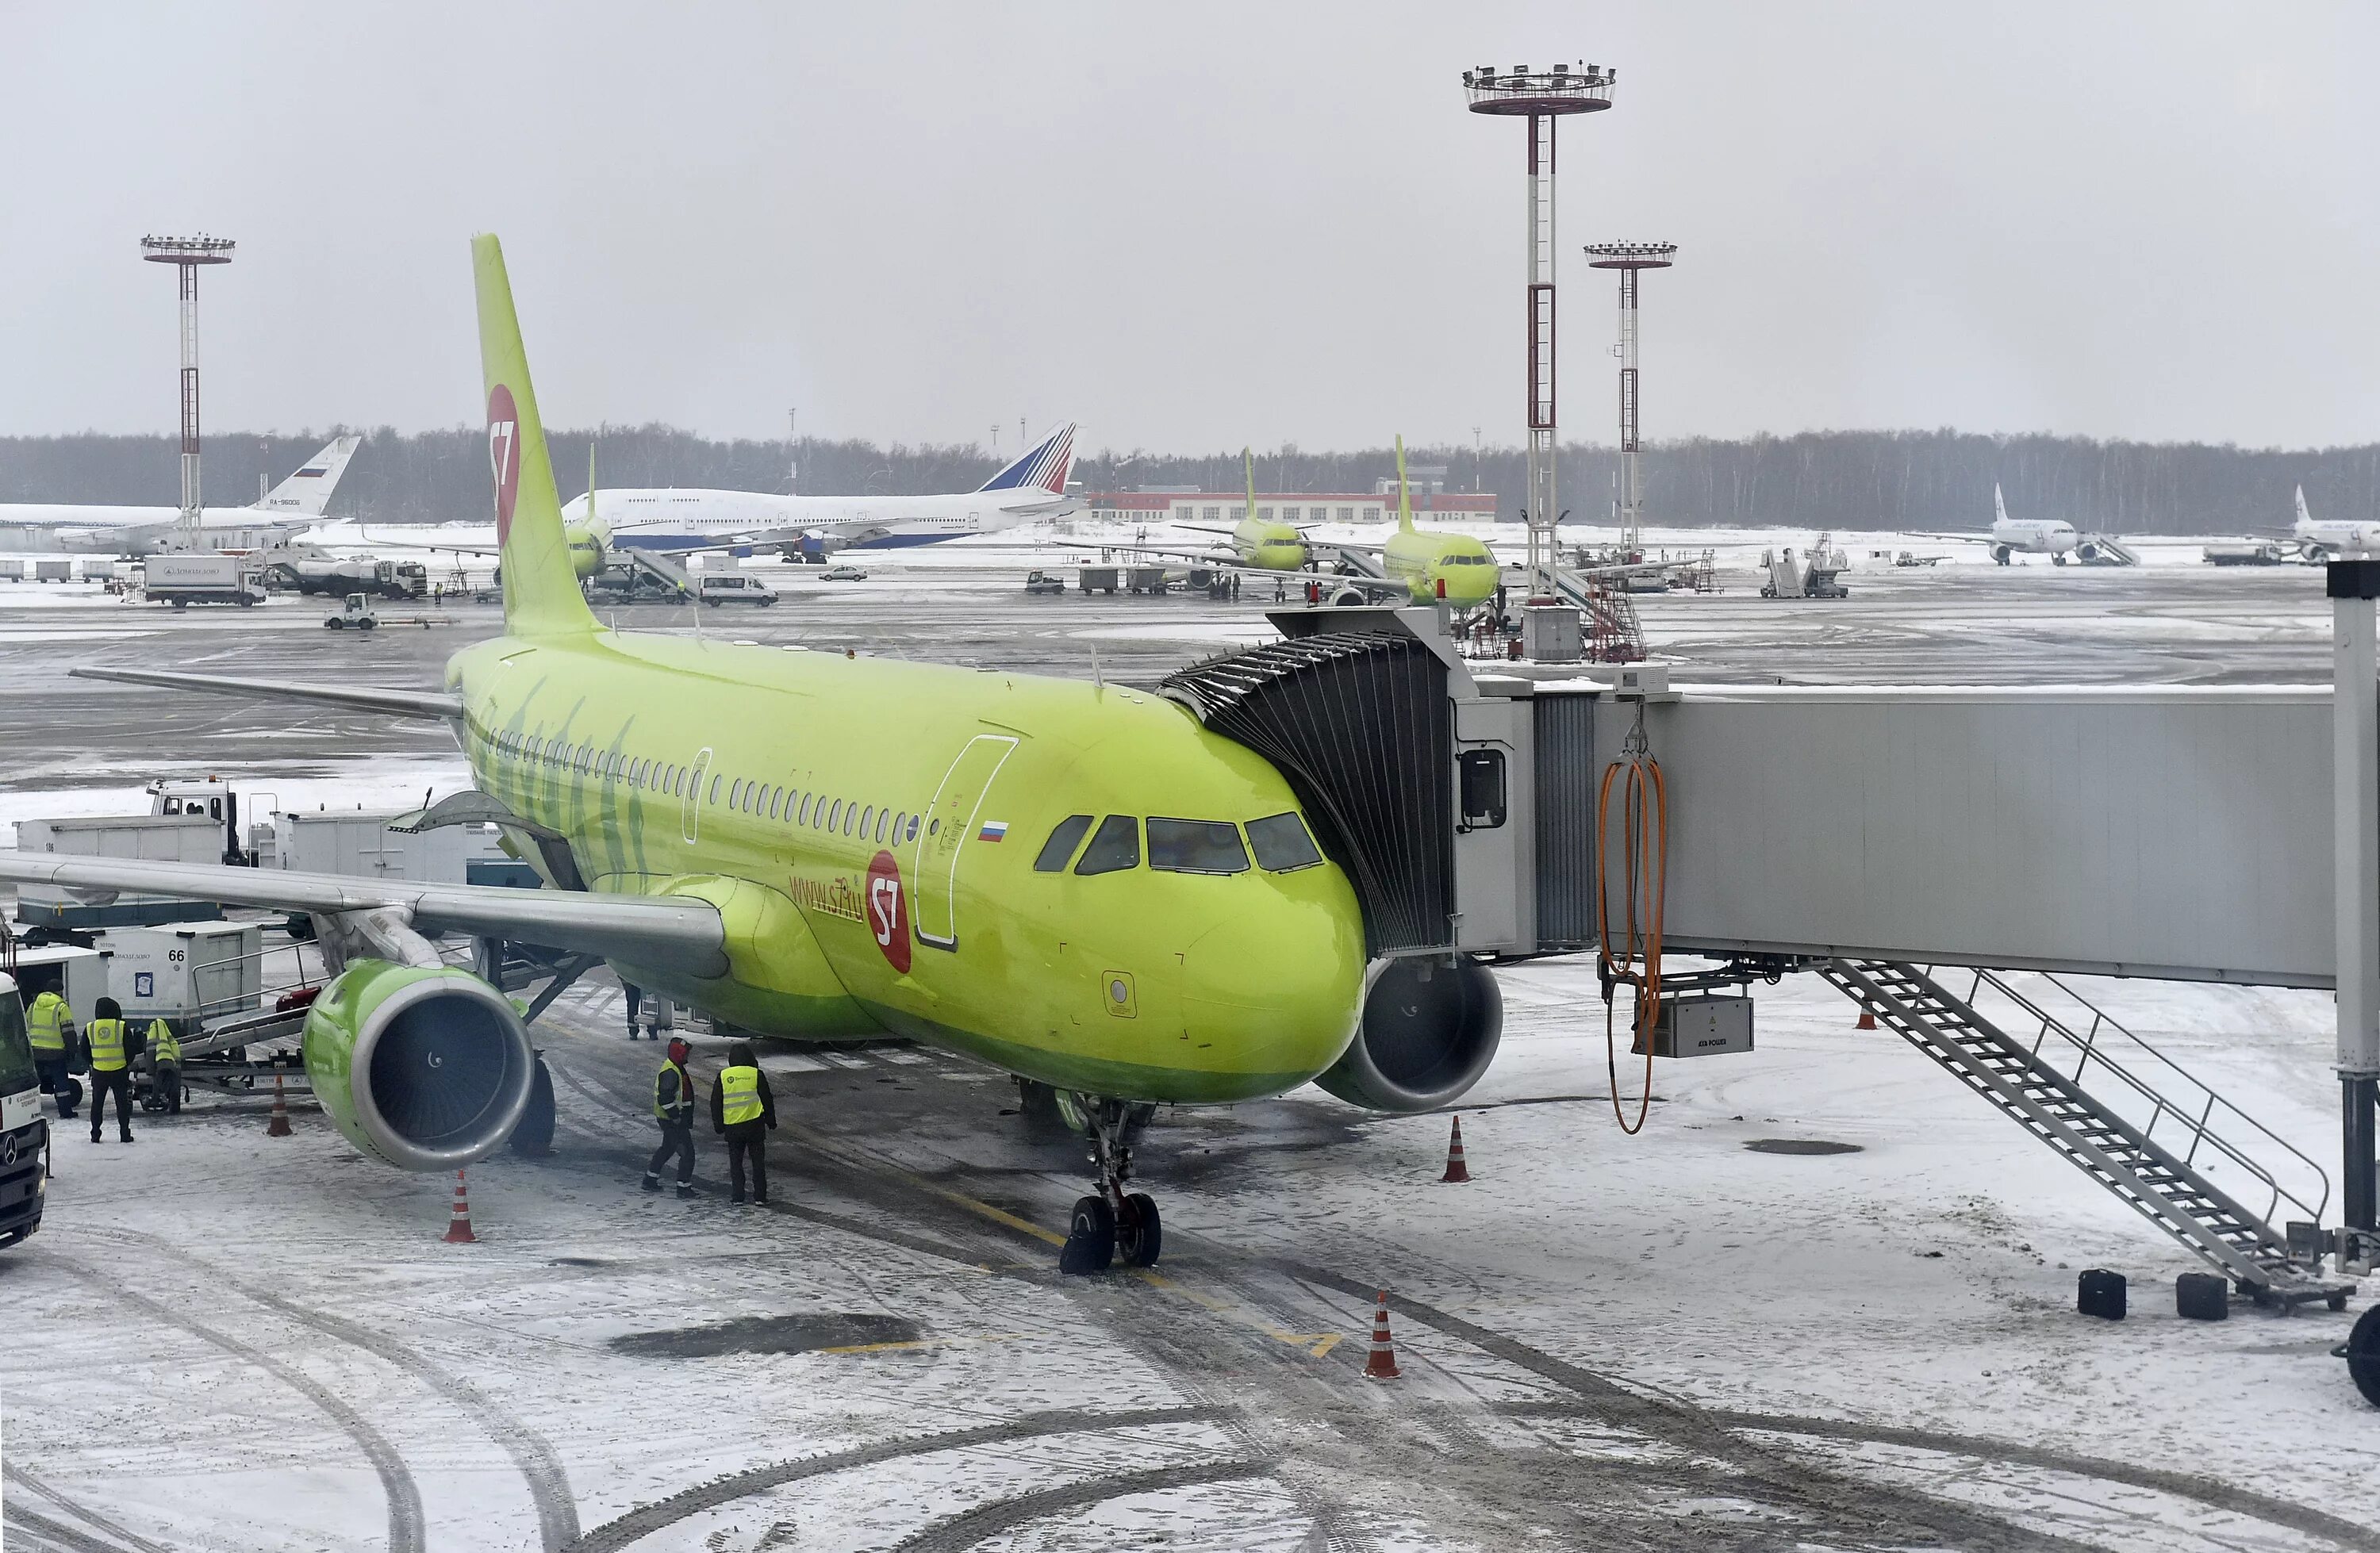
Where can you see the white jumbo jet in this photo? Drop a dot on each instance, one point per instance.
(810, 527)
(2050, 537)
(2324, 542)
(133, 531)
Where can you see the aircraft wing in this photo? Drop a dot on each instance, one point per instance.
(1197, 557)
(673, 929)
(1970, 538)
(356, 698)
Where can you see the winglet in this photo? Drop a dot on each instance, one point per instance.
(1404, 492)
(542, 596)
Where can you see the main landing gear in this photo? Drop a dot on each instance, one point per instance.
(1110, 1222)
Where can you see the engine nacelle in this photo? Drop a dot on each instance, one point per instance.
(1429, 1030)
(425, 1069)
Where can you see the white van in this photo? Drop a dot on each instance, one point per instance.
(733, 587)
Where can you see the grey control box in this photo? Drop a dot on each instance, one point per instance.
(1702, 1026)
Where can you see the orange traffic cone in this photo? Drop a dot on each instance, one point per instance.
(1382, 1363)
(458, 1229)
(1455, 1169)
(1867, 1020)
(279, 1127)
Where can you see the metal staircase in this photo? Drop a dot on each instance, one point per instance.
(1608, 623)
(2027, 1083)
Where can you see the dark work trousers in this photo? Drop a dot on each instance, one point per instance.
(635, 995)
(58, 1082)
(747, 1140)
(118, 1083)
(677, 1137)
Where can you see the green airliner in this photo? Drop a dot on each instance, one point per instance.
(1077, 882)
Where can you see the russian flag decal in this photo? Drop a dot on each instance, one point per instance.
(993, 830)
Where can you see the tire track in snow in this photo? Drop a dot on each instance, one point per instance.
(404, 1496)
(55, 1534)
(32, 1484)
(644, 1521)
(533, 1453)
(982, 1523)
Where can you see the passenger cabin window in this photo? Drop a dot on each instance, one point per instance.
(1196, 846)
(1059, 850)
(1114, 848)
(1483, 788)
(1282, 843)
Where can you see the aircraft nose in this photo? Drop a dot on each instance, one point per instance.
(1271, 998)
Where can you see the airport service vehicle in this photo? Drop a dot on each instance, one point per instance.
(844, 572)
(54, 571)
(355, 614)
(24, 1136)
(2327, 541)
(184, 577)
(2250, 555)
(106, 530)
(1042, 582)
(191, 838)
(183, 972)
(733, 587)
(1078, 882)
(308, 570)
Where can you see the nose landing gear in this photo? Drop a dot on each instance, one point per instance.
(1110, 1222)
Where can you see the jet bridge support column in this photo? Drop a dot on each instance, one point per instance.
(2355, 637)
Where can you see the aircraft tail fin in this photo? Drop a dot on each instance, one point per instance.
(542, 596)
(308, 493)
(1248, 458)
(1405, 492)
(1044, 468)
(2305, 519)
(1999, 508)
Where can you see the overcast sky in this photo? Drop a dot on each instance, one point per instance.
(1198, 226)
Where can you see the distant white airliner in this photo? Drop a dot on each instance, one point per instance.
(2322, 541)
(2048, 537)
(1032, 488)
(138, 530)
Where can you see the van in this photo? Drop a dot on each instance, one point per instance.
(731, 587)
(24, 1136)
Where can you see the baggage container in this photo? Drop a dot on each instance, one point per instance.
(184, 972)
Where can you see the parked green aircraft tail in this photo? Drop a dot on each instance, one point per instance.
(542, 596)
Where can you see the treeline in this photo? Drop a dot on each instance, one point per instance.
(1845, 480)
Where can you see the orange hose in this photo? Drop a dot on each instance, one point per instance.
(1645, 849)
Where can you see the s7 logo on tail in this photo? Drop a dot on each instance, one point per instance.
(504, 456)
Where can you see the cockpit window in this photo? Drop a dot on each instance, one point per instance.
(1114, 848)
(1196, 846)
(1282, 842)
(1060, 847)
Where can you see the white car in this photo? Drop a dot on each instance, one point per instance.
(844, 573)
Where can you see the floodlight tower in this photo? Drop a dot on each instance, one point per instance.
(1628, 259)
(186, 254)
(1541, 97)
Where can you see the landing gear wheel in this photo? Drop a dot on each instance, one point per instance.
(2059, 559)
(1140, 1235)
(1090, 1238)
(2363, 1355)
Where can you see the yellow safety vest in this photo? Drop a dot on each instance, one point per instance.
(46, 1021)
(679, 1109)
(163, 1045)
(106, 1037)
(740, 1094)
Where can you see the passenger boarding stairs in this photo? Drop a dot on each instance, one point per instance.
(2102, 550)
(1608, 622)
(2111, 1136)
(661, 569)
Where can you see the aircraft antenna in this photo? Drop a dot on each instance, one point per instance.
(186, 254)
(1542, 97)
(1628, 259)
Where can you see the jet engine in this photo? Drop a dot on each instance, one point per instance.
(1429, 1030)
(423, 1068)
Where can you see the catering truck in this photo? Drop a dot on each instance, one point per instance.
(24, 1135)
(181, 578)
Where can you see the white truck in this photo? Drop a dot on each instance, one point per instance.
(162, 838)
(201, 577)
(24, 1136)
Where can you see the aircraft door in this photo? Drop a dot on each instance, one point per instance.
(950, 823)
(690, 811)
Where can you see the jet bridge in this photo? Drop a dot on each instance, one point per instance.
(1875, 835)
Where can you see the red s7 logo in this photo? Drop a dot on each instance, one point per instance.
(888, 910)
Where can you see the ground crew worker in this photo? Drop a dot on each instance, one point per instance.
(635, 995)
(49, 1026)
(164, 1068)
(673, 1110)
(112, 1048)
(742, 1108)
